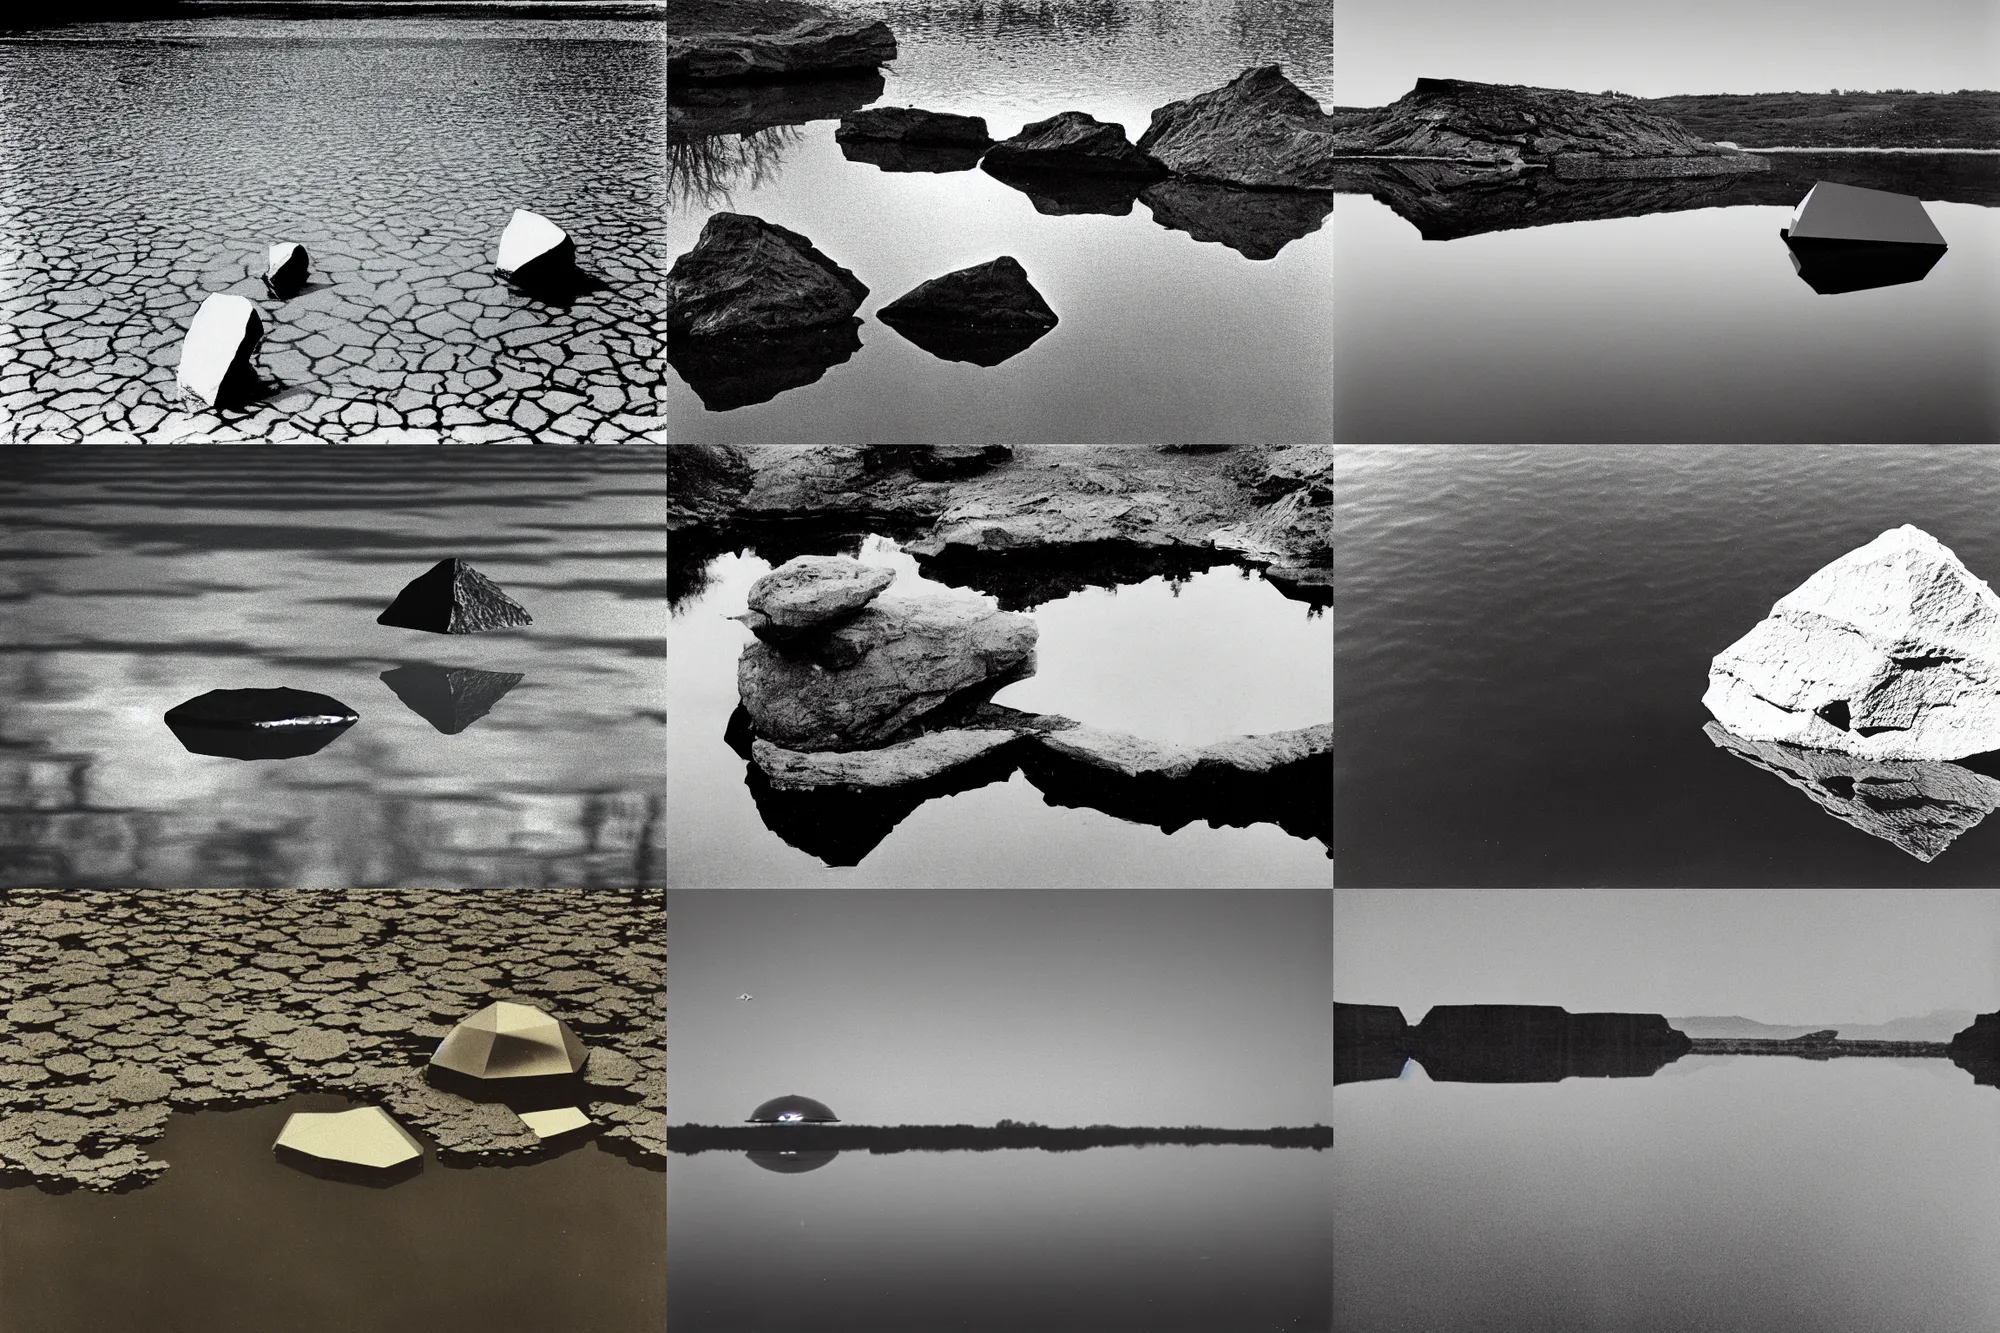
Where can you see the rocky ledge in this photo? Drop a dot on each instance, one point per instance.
(713, 41)
(1504, 127)
(117, 1007)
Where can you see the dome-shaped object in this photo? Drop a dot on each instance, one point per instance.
(507, 1039)
(793, 1110)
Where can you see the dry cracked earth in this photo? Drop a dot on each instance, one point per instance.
(137, 175)
(119, 1006)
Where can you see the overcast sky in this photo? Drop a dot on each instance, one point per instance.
(1785, 956)
(1660, 47)
(1128, 1007)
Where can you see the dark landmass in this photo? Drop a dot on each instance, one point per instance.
(974, 1138)
(1838, 120)
(744, 16)
(1977, 1050)
(1370, 1041)
(113, 10)
(1824, 1048)
(1501, 1043)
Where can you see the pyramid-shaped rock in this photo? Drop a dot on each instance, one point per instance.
(449, 698)
(453, 598)
(983, 314)
(1890, 652)
(366, 1137)
(508, 1039)
(747, 276)
(1073, 141)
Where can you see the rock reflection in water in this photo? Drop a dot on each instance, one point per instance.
(1832, 269)
(791, 1162)
(889, 155)
(1921, 807)
(732, 372)
(979, 345)
(1370, 1041)
(705, 170)
(698, 109)
(1257, 224)
(449, 698)
(1977, 1050)
(1061, 193)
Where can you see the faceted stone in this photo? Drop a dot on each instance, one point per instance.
(215, 355)
(453, 598)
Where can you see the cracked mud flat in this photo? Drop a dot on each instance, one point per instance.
(154, 163)
(116, 1007)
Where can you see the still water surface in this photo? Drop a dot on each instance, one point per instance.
(1127, 1240)
(132, 580)
(1524, 639)
(1731, 1195)
(230, 1239)
(1221, 654)
(1162, 336)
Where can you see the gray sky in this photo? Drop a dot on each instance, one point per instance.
(1171, 1007)
(1779, 956)
(1652, 49)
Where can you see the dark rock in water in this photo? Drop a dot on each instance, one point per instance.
(1073, 142)
(813, 46)
(279, 723)
(911, 125)
(1528, 1043)
(449, 698)
(1070, 193)
(1370, 1041)
(740, 370)
(983, 314)
(1257, 224)
(746, 276)
(1504, 127)
(1922, 806)
(452, 597)
(1833, 267)
(698, 110)
(1976, 1050)
(888, 155)
(1259, 130)
(285, 269)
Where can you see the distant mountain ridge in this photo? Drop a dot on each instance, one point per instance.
(1938, 1025)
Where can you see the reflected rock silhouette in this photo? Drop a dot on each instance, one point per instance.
(1257, 224)
(449, 698)
(1370, 1041)
(1297, 797)
(277, 723)
(888, 155)
(1531, 1043)
(742, 370)
(1920, 806)
(1065, 193)
(986, 345)
(1833, 267)
(790, 1163)
(696, 110)
(1977, 1050)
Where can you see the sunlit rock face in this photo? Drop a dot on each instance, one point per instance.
(508, 1040)
(1890, 652)
(812, 590)
(285, 268)
(915, 760)
(1922, 806)
(215, 355)
(533, 249)
(366, 1138)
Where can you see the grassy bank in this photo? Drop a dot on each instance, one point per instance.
(1839, 120)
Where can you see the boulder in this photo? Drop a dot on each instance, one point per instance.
(534, 250)
(983, 314)
(1257, 224)
(1259, 129)
(278, 723)
(1012, 522)
(810, 591)
(451, 597)
(1890, 652)
(913, 126)
(812, 46)
(1117, 752)
(285, 268)
(916, 760)
(449, 698)
(1976, 1050)
(900, 657)
(1504, 127)
(1073, 142)
(215, 355)
(747, 276)
(1293, 467)
(1270, 750)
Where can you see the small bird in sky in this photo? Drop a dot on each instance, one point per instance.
(746, 997)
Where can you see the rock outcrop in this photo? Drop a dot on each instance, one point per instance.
(899, 658)
(1528, 1043)
(812, 46)
(451, 597)
(1076, 143)
(812, 591)
(1976, 1050)
(215, 358)
(1505, 127)
(749, 276)
(1890, 652)
(918, 759)
(1921, 807)
(1117, 752)
(1258, 130)
(285, 268)
(983, 314)
(1270, 750)
(915, 127)
(1370, 1041)
(1257, 224)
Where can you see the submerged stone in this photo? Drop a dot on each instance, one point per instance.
(285, 267)
(279, 723)
(449, 698)
(1890, 652)
(748, 276)
(215, 355)
(452, 597)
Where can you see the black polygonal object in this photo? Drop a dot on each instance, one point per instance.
(449, 698)
(279, 723)
(453, 598)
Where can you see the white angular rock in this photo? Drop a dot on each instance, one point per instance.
(217, 349)
(551, 1124)
(532, 245)
(1890, 652)
(1271, 749)
(285, 268)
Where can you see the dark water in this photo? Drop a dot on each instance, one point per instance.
(1162, 336)
(1127, 1240)
(1674, 326)
(132, 580)
(230, 1241)
(1731, 1195)
(1524, 640)
(1222, 653)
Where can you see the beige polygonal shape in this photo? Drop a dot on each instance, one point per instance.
(548, 1124)
(507, 1039)
(364, 1136)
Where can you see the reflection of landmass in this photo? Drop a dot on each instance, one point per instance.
(1839, 120)
(1257, 224)
(1822, 1045)
(1531, 1043)
(973, 1138)
(698, 109)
